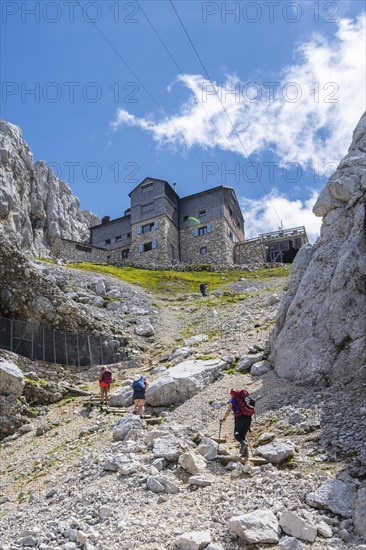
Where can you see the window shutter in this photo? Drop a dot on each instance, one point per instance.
(156, 225)
(209, 228)
(140, 248)
(138, 230)
(195, 232)
(153, 244)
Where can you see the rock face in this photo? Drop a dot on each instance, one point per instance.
(320, 326)
(11, 379)
(183, 381)
(35, 206)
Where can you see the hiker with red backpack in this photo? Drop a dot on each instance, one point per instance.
(243, 407)
(105, 380)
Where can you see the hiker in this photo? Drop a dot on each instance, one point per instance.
(242, 407)
(105, 380)
(139, 386)
(203, 287)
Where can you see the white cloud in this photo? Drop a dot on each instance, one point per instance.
(258, 214)
(313, 131)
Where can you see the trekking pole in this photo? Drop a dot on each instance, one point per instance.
(218, 442)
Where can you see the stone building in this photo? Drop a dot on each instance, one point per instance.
(160, 227)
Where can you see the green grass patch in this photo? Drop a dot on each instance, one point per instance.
(178, 282)
(41, 381)
(205, 357)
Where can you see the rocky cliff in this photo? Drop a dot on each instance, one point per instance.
(321, 324)
(35, 206)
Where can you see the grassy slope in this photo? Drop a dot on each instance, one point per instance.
(179, 281)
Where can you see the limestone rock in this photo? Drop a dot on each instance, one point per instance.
(260, 526)
(336, 496)
(126, 424)
(192, 462)
(35, 205)
(145, 329)
(193, 540)
(297, 527)
(121, 397)
(246, 361)
(167, 447)
(199, 481)
(260, 368)
(11, 379)
(183, 381)
(320, 326)
(291, 543)
(197, 339)
(207, 448)
(277, 451)
(161, 484)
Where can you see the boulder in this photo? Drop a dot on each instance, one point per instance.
(197, 339)
(167, 447)
(260, 526)
(161, 484)
(336, 496)
(100, 288)
(246, 361)
(11, 379)
(272, 299)
(145, 329)
(121, 397)
(126, 424)
(260, 368)
(297, 527)
(199, 481)
(277, 451)
(97, 301)
(183, 381)
(193, 540)
(191, 462)
(265, 437)
(207, 448)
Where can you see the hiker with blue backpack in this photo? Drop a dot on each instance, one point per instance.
(242, 406)
(139, 386)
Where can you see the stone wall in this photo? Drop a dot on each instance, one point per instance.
(164, 235)
(217, 241)
(71, 251)
(247, 252)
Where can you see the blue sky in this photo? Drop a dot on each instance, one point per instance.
(295, 69)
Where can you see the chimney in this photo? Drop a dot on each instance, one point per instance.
(175, 187)
(106, 219)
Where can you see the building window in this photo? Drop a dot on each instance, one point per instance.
(199, 231)
(83, 248)
(203, 250)
(147, 207)
(172, 252)
(108, 241)
(147, 246)
(185, 218)
(118, 238)
(147, 187)
(202, 213)
(147, 228)
(125, 253)
(128, 235)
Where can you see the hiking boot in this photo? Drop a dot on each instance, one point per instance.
(244, 449)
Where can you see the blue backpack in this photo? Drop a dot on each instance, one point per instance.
(139, 384)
